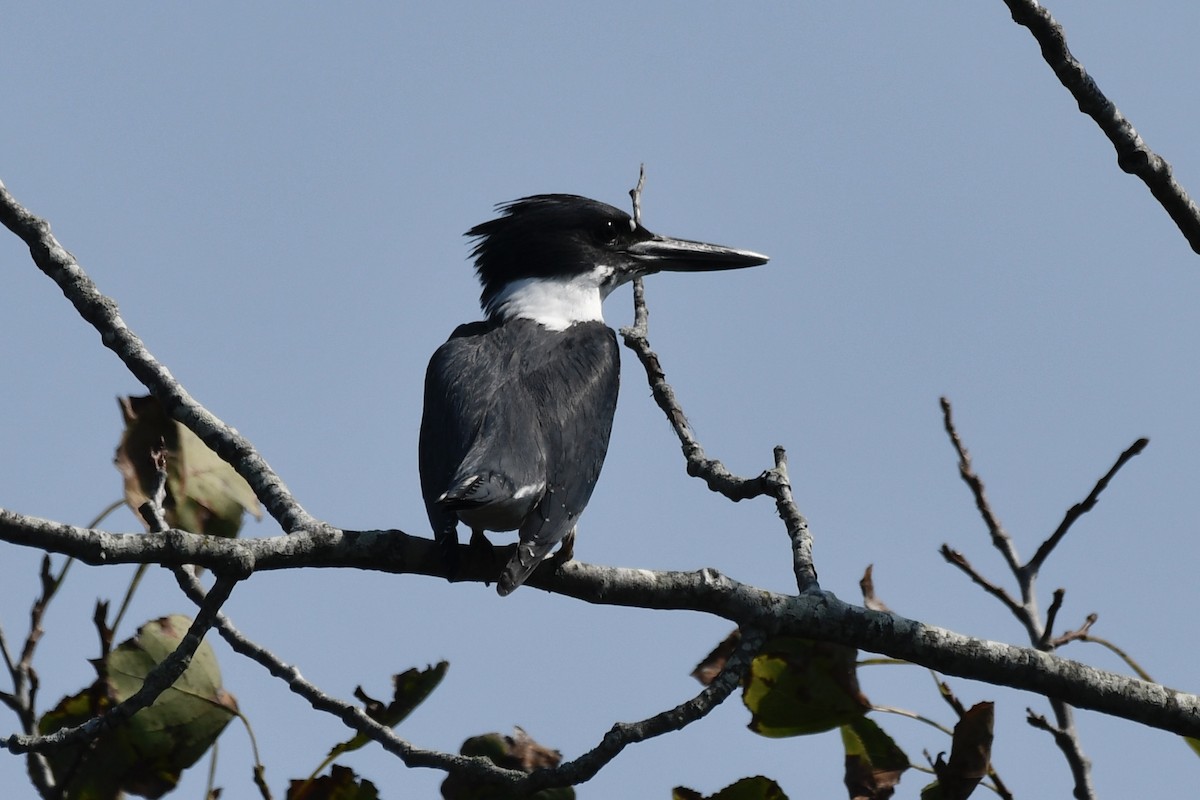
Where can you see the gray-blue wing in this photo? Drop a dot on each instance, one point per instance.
(574, 383)
(459, 384)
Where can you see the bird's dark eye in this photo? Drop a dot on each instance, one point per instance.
(610, 231)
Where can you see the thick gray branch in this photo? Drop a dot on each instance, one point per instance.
(816, 616)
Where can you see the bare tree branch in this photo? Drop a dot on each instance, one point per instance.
(1080, 765)
(23, 698)
(956, 558)
(1000, 538)
(157, 681)
(711, 471)
(577, 771)
(773, 482)
(635, 194)
(352, 715)
(1081, 634)
(1079, 509)
(1026, 611)
(1056, 602)
(816, 616)
(794, 521)
(625, 733)
(101, 311)
(1133, 156)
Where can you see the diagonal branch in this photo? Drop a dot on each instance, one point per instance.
(711, 471)
(579, 770)
(1133, 156)
(23, 698)
(1065, 738)
(352, 715)
(1079, 509)
(623, 734)
(1000, 538)
(794, 521)
(101, 312)
(811, 615)
(956, 558)
(773, 482)
(157, 681)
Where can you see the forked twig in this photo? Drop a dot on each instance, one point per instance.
(773, 482)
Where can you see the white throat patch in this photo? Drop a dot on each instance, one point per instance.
(555, 303)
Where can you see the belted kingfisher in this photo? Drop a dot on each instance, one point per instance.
(519, 407)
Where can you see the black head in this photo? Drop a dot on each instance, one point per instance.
(568, 238)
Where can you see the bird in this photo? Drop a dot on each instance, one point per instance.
(519, 406)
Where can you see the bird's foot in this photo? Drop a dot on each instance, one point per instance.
(484, 553)
(448, 551)
(566, 550)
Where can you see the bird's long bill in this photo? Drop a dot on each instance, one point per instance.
(662, 253)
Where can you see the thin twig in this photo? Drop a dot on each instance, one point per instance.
(623, 734)
(773, 482)
(956, 558)
(1065, 738)
(711, 471)
(1002, 541)
(1079, 509)
(795, 523)
(1051, 617)
(134, 582)
(1133, 156)
(22, 701)
(904, 712)
(349, 713)
(947, 694)
(635, 194)
(1081, 634)
(1120, 653)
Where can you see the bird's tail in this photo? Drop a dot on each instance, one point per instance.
(521, 565)
(474, 491)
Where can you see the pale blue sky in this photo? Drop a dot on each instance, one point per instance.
(276, 195)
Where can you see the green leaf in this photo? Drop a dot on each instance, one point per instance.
(797, 686)
(147, 754)
(204, 493)
(874, 762)
(756, 788)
